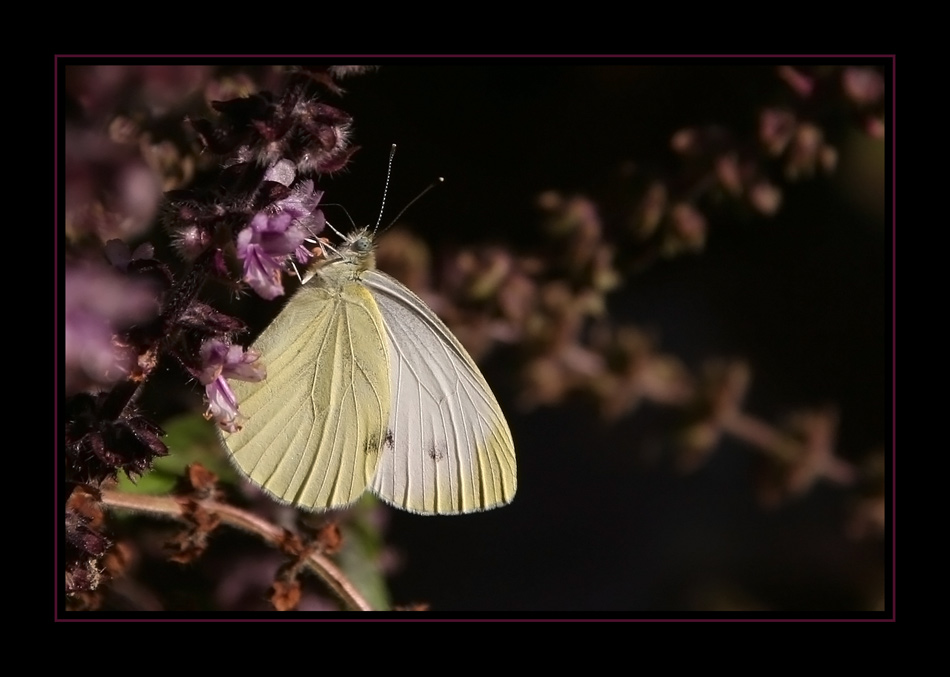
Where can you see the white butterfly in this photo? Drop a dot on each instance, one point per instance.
(367, 388)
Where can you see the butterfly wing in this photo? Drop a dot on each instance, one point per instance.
(312, 430)
(448, 449)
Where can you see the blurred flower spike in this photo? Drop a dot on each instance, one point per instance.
(100, 304)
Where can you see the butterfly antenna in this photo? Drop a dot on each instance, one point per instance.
(413, 201)
(346, 213)
(389, 172)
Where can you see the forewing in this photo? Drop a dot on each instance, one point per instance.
(312, 430)
(448, 449)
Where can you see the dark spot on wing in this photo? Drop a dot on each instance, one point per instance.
(390, 441)
(436, 454)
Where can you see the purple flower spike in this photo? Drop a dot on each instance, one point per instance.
(277, 232)
(219, 362)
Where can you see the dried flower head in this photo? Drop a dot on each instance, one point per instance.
(264, 129)
(99, 444)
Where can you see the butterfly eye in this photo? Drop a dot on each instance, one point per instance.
(363, 245)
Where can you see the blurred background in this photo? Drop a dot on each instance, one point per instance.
(709, 434)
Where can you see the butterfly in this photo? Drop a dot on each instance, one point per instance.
(368, 389)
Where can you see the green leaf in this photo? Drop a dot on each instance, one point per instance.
(359, 558)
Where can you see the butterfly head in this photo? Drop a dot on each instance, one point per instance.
(358, 249)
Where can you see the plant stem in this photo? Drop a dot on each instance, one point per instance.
(241, 519)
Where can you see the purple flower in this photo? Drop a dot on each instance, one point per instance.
(221, 361)
(222, 405)
(277, 232)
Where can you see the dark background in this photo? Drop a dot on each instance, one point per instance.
(601, 522)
